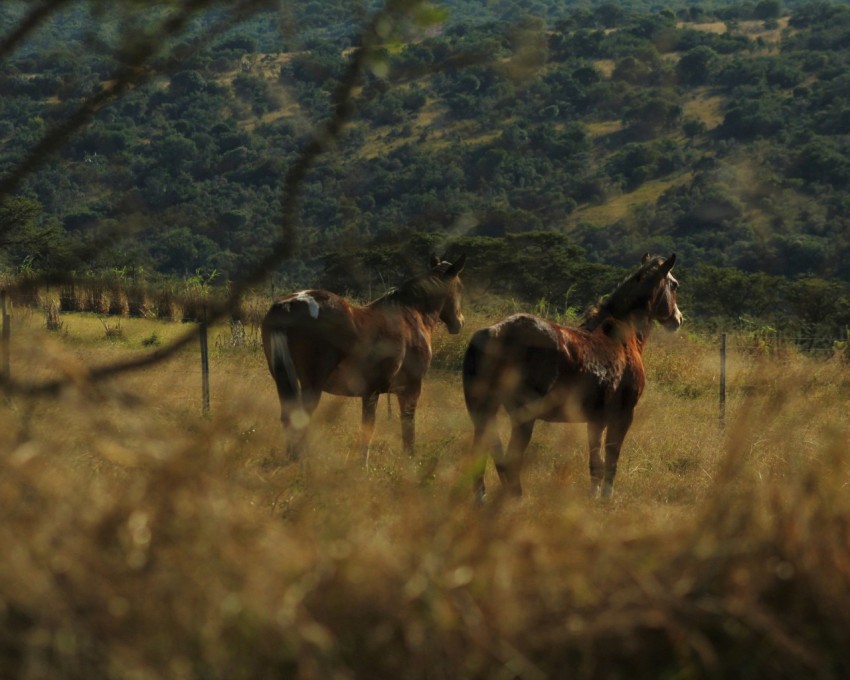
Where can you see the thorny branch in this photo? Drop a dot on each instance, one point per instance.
(127, 76)
(322, 139)
(28, 24)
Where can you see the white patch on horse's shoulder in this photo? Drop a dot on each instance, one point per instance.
(310, 301)
(605, 373)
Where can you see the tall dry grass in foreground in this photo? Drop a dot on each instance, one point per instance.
(140, 540)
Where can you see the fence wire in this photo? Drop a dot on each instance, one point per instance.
(215, 373)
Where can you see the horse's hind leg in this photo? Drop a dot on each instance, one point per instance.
(295, 416)
(367, 429)
(313, 373)
(485, 442)
(293, 426)
(511, 463)
(407, 402)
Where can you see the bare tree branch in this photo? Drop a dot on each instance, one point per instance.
(29, 23)
(284, 246)
(125, 77)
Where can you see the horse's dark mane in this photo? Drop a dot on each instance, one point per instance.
(423, 292)
(620, 303)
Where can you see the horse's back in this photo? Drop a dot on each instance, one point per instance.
(315, 314)
(310, 307)
(318, 326)
(514, 360)
(533, 366)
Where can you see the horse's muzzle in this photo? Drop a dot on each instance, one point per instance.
(674, 322)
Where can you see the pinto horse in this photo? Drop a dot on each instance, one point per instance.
(316, 341)
(594, 374)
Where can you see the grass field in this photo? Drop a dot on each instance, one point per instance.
(144, 540)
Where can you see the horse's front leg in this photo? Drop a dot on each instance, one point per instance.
(370, 406)
(408, 398)
(617, 429)
(594, 441)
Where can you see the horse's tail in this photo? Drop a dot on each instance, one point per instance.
(276, 345)
(481, 377)
(279, 357)
(281, 365)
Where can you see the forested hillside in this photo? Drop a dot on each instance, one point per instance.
(554, 142)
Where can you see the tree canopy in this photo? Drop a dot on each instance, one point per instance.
(717, 130)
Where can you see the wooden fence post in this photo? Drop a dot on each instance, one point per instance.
(722, 379)
(205, 365)
(5, 339)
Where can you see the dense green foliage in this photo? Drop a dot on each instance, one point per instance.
(508, 132)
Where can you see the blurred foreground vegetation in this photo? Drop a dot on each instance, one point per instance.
(142, 540)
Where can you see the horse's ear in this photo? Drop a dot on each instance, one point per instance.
(457, 267)
(667, 265)
(434, 261)
(645, 258)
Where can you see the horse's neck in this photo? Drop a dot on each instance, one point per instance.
(635, 324)
(407, 299)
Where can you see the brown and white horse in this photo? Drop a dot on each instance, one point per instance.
(594, 374)
(316, 341)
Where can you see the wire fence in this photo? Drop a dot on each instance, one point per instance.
(216, 348)
(185, 301)
(5, 334)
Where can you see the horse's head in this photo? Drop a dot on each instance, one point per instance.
(448, 274)
(655, 276)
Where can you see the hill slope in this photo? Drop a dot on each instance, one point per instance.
(714, 132)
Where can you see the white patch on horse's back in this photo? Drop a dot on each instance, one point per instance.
(309, 300)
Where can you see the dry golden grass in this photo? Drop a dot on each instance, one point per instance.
(428, 127)
(706, 107)
(604, 128)
(752, 29)
(605, 66)
(617, 207)
(142, 540)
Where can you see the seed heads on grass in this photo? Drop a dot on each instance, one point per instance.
(52, 315)
(113, 332)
